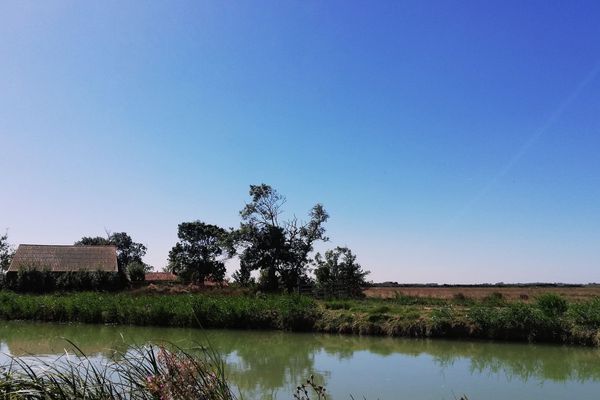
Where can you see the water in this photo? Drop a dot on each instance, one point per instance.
(265, 365)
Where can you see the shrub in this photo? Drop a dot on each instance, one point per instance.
(136, 271)
(460, 296)
(33, 280)
(338, 274)
(494, 299)
(552, 305)
(586, 314)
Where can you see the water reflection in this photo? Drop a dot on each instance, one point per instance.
(262, 363)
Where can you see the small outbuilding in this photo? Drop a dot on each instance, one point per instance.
(65, 258)
(158, 277)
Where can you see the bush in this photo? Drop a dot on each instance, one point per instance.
(136, 271)
(586, 314)
(494, 299)
(33, 280)
(552, 305)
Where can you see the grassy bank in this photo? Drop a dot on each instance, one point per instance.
(189, 310)
(548, 318)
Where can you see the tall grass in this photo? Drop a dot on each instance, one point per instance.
(144, 373)
(188, 310)
(549, 318)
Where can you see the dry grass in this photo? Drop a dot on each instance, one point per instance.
(478, 293)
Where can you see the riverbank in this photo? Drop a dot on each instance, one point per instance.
(549, 318)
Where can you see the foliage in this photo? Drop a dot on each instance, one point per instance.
(339, 273)
(304, 391)
(586, 314)
(128, 251)
(494, 299)
(6, 253)
(197, 255)
(429, 317)
(143, 373)
(279, 249)
(34, 280)
(137, 271)
(242, 277)
(552, 305)
(295, 313)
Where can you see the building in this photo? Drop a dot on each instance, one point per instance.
(65, 258)
(157, 277)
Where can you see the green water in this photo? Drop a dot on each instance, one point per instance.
(266, 365)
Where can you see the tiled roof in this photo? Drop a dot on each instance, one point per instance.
(160, 276)
(65, 258)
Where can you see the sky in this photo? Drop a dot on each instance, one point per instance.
(451, 142)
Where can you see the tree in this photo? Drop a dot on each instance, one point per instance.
(200, 252)
(128, 251)
(339, 272)
(6, 253)
(136, 271)
(279, 249)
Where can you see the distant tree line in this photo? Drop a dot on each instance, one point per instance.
(275, 254)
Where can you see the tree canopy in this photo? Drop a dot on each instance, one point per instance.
(6, 253)
(338, 272)
(128, 251)
(279, 249)
(199, 254)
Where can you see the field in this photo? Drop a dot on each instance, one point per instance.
(479, 293)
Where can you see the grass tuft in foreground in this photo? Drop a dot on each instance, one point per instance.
(145, 373)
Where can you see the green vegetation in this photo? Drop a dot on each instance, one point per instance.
(339, 270)
(128, 251)
(196, 256)
(33, 280)
(197, 310)
(279, 250)
(549, 318)
(136, 271)
(6, 253)
(145, 373)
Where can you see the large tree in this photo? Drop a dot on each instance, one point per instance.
(128, 251)
(6, 253)
(339, 273)
(200, 252)
(279, 249)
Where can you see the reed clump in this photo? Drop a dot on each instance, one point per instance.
(143, 373)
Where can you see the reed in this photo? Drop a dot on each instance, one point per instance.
(144, 373)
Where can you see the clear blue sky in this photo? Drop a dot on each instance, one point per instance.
(450, 141)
